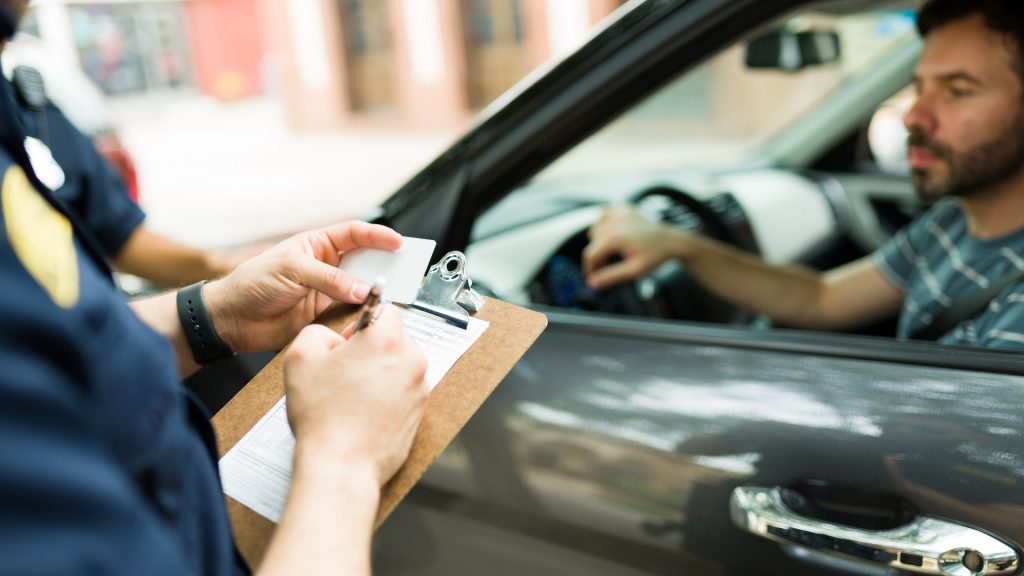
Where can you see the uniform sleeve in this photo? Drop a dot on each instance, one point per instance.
(67, 507)
(104, 206)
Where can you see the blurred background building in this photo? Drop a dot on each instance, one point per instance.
(426, 63)
(415, 63)
(285, 114)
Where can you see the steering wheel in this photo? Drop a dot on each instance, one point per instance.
(667, 292)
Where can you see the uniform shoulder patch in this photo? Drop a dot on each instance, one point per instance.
(42, 238)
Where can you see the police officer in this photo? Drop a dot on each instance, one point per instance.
(69, 164)
(108, 468)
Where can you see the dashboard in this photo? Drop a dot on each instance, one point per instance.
(783, 215)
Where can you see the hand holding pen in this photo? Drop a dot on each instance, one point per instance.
(372, 306)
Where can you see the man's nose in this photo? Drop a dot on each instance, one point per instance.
(919, 117)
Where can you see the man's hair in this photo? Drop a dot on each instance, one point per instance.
(1003, 16)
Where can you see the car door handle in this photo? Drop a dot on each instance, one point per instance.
(925, 545)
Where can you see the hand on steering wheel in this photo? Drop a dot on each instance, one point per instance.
(624, 246)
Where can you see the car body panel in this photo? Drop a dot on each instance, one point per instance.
(637, 439)
(614, 444)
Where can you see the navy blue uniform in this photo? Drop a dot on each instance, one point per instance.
(105, 466)
(93, 190)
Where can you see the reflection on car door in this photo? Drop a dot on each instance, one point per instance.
(614, 447)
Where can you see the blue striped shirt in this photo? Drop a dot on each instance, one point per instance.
(935, 262)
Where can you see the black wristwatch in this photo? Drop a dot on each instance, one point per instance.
(206, 345)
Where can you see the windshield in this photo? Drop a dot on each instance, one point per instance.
(724, 112)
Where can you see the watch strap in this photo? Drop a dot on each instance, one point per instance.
(202, 337)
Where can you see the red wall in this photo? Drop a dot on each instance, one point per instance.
(226, 47)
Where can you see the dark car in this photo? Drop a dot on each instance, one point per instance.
(653, 429)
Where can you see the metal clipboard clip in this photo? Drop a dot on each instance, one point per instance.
(448, 292)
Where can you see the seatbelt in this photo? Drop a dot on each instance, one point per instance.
(964, 309)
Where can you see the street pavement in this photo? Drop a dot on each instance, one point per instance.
(219, 175)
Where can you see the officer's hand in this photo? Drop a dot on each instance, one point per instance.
(640, 245)
(264, 302)
(356, 401)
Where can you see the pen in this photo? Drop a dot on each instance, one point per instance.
(371, 307)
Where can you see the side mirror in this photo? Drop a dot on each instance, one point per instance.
(792, 51)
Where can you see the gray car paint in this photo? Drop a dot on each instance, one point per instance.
(623, 447)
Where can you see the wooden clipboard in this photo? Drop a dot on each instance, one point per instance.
(456, 398)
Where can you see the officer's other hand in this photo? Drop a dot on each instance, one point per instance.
(639, 244)
(264, 302)
(356, 401)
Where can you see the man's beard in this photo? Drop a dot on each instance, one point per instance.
(970, 171)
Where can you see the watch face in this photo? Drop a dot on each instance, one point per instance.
(43, 164)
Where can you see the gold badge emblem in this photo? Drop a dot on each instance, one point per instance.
(41, 237)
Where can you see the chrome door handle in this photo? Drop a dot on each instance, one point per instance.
(925, 545)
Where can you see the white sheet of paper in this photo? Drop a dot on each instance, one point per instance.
(257, 471)
(442, 343)
(403, 269)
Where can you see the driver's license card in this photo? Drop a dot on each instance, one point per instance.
(402, 269)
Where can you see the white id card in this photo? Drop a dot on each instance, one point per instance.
(403, 269)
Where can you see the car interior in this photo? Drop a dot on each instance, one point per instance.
(788, 144)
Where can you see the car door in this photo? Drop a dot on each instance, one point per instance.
(617, 444)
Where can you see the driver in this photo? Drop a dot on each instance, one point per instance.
(966, 152)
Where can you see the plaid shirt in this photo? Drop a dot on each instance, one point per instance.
(936, 262)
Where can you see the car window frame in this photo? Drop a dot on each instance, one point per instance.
(478, 170)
